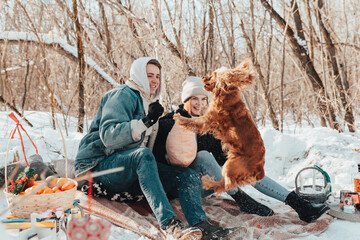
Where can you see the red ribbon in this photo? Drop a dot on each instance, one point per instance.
(12, 133)
(90, 191)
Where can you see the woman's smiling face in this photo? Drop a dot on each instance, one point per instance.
(198, 104)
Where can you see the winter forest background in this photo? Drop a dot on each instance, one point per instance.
(61, 56)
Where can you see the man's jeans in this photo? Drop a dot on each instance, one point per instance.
(205, 163)
(143, 175)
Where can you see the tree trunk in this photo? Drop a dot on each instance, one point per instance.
(81, 63)
(297, 20)
(25, 85)
(203, 54)
(348, 109)
(331, 50)
(282, 86)
(211, 36)
(266, 80)
(311, 33)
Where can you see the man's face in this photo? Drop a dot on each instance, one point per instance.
(153, 74)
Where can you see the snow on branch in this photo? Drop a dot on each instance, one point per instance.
(17, 67)
(59, 45)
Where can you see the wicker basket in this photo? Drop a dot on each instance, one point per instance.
(24, 205)
(38, 203)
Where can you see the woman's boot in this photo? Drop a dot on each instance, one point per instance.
(306, 210)
(248, 205)
(212, 232)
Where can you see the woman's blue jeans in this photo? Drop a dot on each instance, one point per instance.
(205, 163)
(143, 175)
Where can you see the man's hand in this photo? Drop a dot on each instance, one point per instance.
(155, 111)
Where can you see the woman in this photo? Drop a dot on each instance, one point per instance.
(210, 158)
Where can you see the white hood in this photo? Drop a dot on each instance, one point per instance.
(139, 77)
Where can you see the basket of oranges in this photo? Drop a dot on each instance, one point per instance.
(26, 195)
(42, 195)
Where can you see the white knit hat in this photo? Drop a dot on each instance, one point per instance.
(193, 86)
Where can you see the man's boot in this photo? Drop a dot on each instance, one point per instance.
(210, 231)
(306, 210)
(248, 205)
(176, 229)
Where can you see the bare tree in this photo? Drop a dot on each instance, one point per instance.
(274, 121)
(331, 50)
(324, 103)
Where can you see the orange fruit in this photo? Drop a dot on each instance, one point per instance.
(28, 190)
(47, 190)
(52, 181)
(68, 185)
(40, 191)
(62, 180)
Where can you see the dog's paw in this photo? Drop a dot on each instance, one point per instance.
(207, 182)
(178, 118)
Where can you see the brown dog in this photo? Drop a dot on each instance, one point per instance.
(229, 120)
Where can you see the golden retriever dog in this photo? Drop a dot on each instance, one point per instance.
(229, 120)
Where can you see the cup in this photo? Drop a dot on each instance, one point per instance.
(349, 209)
(343, 194)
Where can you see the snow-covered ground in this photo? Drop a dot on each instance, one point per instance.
(286, 154)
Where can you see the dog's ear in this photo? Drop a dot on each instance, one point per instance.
(224, 83)
(218, 84)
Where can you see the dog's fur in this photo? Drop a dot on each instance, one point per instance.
(229, 120)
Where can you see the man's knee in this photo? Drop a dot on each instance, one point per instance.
(144, 154)
(144, 151)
